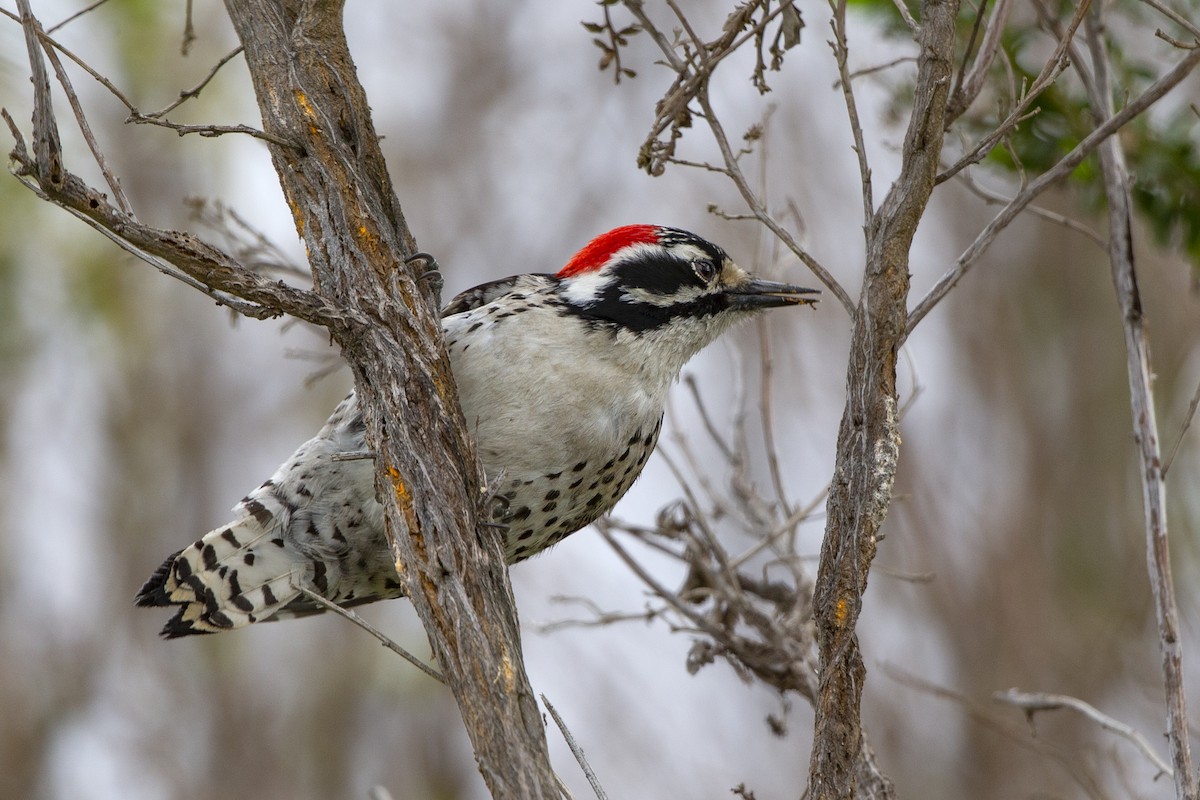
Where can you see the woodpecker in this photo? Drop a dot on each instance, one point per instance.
(562, 379)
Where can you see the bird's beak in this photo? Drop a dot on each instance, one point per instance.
(755, 294)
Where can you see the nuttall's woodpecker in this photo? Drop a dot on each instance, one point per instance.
(562, 380)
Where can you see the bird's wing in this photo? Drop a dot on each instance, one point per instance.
(485, 293)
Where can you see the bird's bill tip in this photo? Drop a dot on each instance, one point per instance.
(757, 293)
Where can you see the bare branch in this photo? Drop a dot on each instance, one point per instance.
(895, 62)
(385, 640)
(971, 84)
(992, 197)
(907, 16)
(1179, 19)
(841, 53)
(188, 94)
(1145, 426)
(576, 750)
(85, 10)
(1032, 702)
(983, 716)
(1183, 429)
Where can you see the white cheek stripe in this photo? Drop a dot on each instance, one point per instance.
(585, 288)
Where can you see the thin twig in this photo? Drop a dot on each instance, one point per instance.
(1183, 429)
(767, 416)
(971, 84)
(841, 53)
(188, 94)
(189, 30)
(1174, 16)
(600, 617)
(689, 380)
(859, 73)
(907, 16)
(371, 629)
(353, 455)
(1032, 702)
(77, 15)
(210, 130)
(979, 190)
(576, 750)
(985, 717)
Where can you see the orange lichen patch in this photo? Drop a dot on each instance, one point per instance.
(405, 501)
(841, 611)
(305, 106)
(297, 217)
(507, 674)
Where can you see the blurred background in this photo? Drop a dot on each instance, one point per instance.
(134, 413)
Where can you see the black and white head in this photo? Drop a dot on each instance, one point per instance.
(666, 286)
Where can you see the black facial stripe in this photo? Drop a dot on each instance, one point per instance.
(659, 274)
(642, 317)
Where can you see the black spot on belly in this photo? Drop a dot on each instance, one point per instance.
(553, 494)
(579, 467)
(521, 513)
(525, 535)
(228, 536)
(549, 507)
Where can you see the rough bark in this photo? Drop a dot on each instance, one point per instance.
(428, 479)
(869, 439)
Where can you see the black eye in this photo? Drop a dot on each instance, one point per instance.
(705, 269)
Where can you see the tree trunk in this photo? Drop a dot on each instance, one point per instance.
(427, 475)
